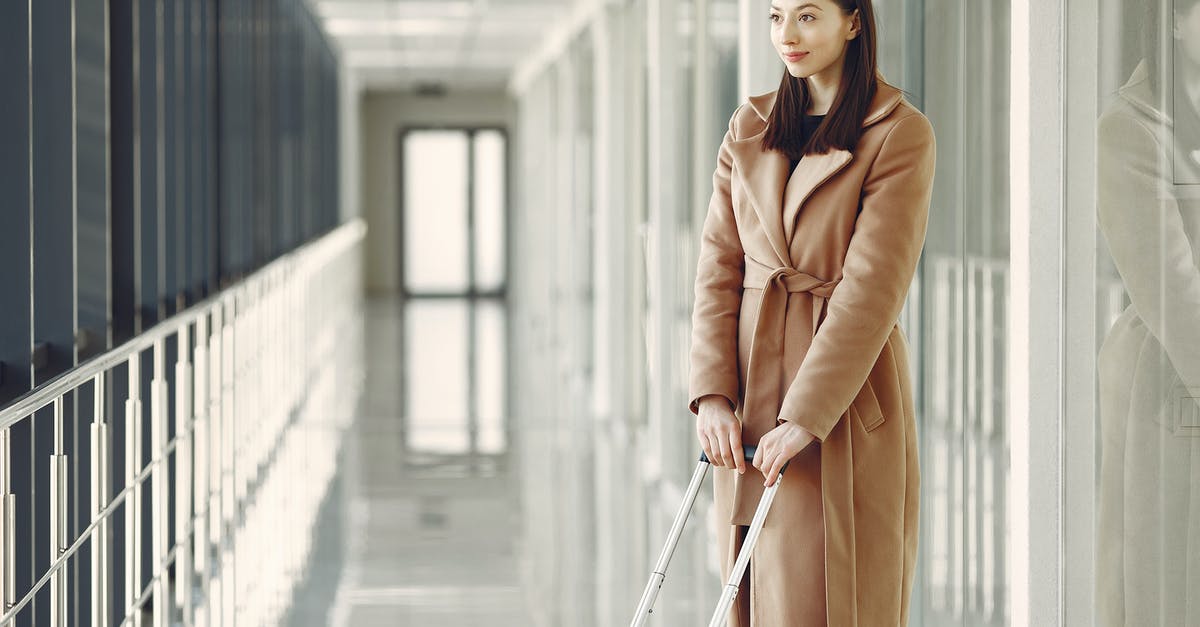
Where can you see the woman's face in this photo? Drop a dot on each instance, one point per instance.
(817, 28)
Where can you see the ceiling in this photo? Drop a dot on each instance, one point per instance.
(460, 45)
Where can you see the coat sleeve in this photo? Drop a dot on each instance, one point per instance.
(1139, 215)
(881, 260)
(713, 367)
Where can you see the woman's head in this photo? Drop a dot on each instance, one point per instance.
(837, 39)
(821, 30)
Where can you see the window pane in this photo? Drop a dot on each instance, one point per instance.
(1145, 285)
(489, 375)
(436, 385)
(489, 209)
(435, 211)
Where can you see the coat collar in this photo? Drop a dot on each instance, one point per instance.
(1137, 92)
(777, 198)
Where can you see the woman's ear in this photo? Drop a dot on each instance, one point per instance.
(855, 25)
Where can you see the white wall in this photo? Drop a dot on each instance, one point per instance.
(383, 116)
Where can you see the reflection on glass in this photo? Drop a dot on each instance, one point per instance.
(489, 209)
(437, 386)
(489, 375)
(1148, 531)
(435, 211)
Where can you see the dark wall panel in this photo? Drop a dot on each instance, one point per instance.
(148, 163)
(52, 124)
(122, 138)
(92, 173)
(15, 314)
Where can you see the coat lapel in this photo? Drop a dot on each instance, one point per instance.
(776, 197)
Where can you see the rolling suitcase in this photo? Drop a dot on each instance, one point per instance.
(645, 607)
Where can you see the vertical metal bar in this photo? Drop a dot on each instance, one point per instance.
(201, 437)
(133, 510)
(58, 520)
(650, 593)
(158, 484)
(213, 599)
(99, 477)
(8, 519)
(184, 420)
(228, 522)
(730, 590)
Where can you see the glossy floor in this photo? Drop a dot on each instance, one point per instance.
(407, 538)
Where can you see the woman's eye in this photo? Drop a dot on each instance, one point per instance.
(774, 16)
(808, 15)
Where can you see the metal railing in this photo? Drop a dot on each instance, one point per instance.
(210, 523)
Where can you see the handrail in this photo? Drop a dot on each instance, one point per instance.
(42, 396)
(221, 482)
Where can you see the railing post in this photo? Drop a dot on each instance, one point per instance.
(8, 523)
(100, 485)
(58, 520)
(133, 509)
(228, 506)
(183, 473)
(160, 600)
(200, 535)
(214, 599)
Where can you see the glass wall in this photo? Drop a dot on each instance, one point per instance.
(1134, 221)
(617, 139)
(956, 309)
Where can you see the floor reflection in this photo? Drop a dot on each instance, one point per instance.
(409, 539)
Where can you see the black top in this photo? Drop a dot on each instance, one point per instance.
(808, 125)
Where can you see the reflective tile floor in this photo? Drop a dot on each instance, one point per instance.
(410, 539)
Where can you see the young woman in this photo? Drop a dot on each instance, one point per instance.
(816, 222)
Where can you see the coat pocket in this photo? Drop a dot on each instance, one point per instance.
(866, 407)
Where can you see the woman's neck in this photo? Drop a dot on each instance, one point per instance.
(821, 90)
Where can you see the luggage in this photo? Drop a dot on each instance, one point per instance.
(720, 615)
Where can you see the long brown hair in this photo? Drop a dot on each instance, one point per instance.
(842, 127)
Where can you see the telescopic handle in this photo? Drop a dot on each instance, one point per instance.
(748, 450)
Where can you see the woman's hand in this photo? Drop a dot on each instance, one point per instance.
(778, 446)
(720, 433)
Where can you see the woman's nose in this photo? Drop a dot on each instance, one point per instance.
(790, 33)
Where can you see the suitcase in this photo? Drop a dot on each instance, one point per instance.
(720, 615)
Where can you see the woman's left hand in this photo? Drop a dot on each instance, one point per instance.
(777, 447)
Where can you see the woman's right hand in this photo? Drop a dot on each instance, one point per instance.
(720, 433)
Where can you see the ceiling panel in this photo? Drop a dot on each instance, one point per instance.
(465, 44)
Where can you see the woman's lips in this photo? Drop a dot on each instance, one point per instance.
(795, 56)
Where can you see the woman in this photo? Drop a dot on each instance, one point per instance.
(801, 278)
(1148, 210)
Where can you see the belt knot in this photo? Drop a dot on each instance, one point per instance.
(762, 398)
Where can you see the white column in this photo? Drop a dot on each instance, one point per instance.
(1035, 333)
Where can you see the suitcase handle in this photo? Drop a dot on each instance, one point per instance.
(749, 451)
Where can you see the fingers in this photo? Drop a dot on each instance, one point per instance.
(720, 437)
(739, 454)
(709, 451)
(773, 474)
(726, 448)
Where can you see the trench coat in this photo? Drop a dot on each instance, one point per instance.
(799, 285)
(1148, 501)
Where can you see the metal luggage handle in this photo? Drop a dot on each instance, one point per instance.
(748, 450)
(646, 605)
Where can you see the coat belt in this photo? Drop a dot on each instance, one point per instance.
(762, 393)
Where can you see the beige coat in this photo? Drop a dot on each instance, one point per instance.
(841, 237)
